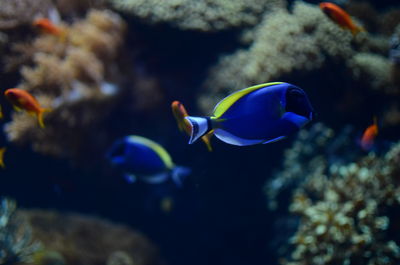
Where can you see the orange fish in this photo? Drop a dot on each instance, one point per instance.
(367, 140)
(23, 100)
(180, 113)
(340, 17)
(46, 26)
(1, 113)
(2, 151)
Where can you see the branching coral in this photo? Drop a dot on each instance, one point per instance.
(75, 77)
(15, 236)
(283, 43)
(347, 214)
(19, 12)
(199, 15)
(299, 43)
(310, 154)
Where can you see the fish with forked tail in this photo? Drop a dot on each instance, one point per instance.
(263, 113)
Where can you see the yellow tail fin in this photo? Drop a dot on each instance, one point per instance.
(40, 116)
(207, 140)
(2, 151)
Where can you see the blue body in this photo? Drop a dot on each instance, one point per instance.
(136, 158)
(258, 115)
(142, 158)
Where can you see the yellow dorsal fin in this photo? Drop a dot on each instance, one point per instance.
(165, 157)
(228, 101)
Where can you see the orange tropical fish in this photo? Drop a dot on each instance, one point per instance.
(180, 113)
(340, 17)
(367, 140)
(23, 100)
(45, 25)
(2, 151)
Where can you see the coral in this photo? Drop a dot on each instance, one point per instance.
(283, 42)
(347, 214)
(75, 78)
(309, 154)
(300, 43)
(20, 12)
(120, 258)
(394, 53)
(16, 243)
(84, 240)
(371, 70)
(199, 15)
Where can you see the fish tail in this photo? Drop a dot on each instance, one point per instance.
(40, 116)
(179, 173)
(200, 126)
(2, 151)
(357, 29)
(207, 140)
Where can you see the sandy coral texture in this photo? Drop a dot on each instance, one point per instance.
(72, 75)
(199, 15)
(84, 240)
(299, 42)
(347, 202)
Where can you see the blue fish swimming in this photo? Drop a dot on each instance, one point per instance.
(263, 113)
(141, 158)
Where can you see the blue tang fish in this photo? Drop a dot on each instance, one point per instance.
(141, 158)
(263, 113)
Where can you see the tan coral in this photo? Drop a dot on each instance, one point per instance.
(283, 43)
(199, 15)
(70, 77)
(344, 220)
(19, 12)
(86, 240)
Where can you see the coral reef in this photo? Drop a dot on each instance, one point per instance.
(16, 244)
(75, 77)
(21, 12)
(394, 53)
(300, 43)
(347, 215)
(310, 154)
(199, 15)
(283, 42)
(83, 240)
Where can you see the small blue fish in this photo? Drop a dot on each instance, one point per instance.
(263, 113)
(141, 158)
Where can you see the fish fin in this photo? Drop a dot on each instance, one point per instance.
(17, 108)
(158, 149)
(178, 174)
(228, 101)
(233, 139)
(130, 178)
(297, 119)
(156, 178)
(2, 151)
(357, 29)
(199, 127)
(274, 140)
(207, 140)
(40, 116)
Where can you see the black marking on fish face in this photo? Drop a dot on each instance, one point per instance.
(298, 102)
